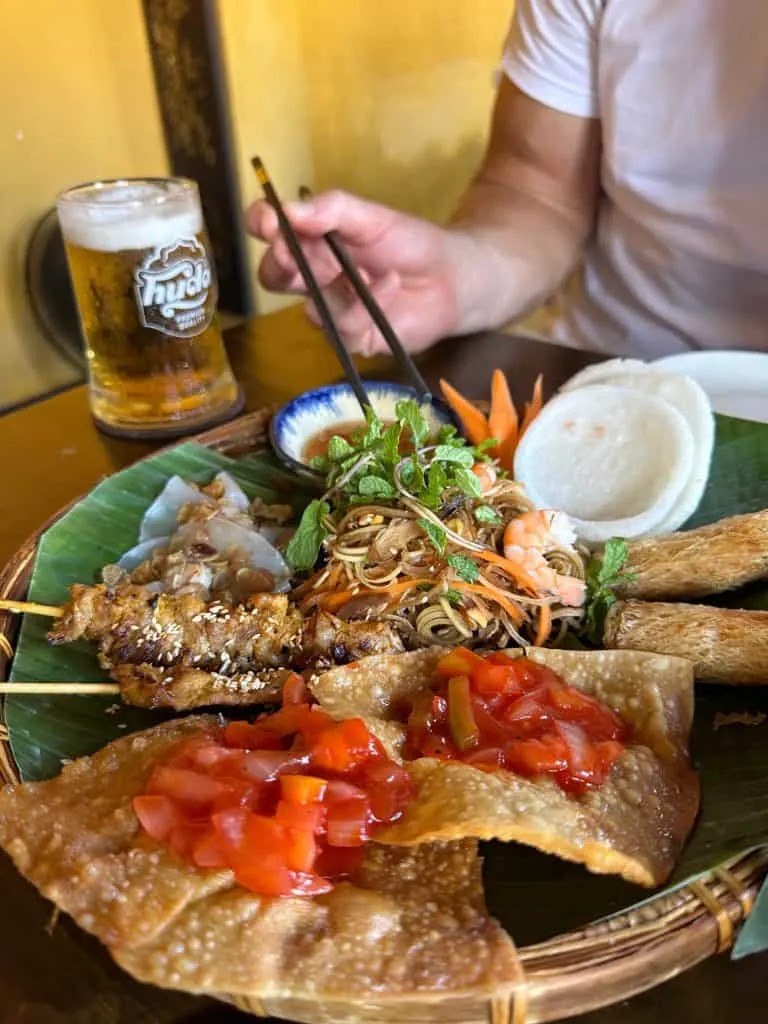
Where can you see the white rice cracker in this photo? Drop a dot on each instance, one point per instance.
(614, 459)
(689, 398)
(600, 373)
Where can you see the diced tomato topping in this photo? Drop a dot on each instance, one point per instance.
(183, 840)
(348, 822)
(302, 789)
(194, 790)
(493, 680)
(247, 736)
(488, 758)
(497, 712)
(460, 662)
(286, 803)
(295, 690)
(210, 851)
(390, 788)
(302, 850)
(238, 793)
(547, 755)
(310, 817)
(266, 876)
(158, 815)
(230, 826)
(263, 765)
(344, 745)
(497, 658)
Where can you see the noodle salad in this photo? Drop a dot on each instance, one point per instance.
(432, 535)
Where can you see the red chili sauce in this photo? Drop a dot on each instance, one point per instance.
(287, 803)
(496, 712)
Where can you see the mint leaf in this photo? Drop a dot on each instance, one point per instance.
(489, 442)
(603, 573)
(614, 557)
(432, 489)
(464, 567)
(304, 546)
(412, 475)
(449, 453)
(485, 514)
(373, 428)
(467, 481)
(339, 448)
(435, 533)
(447, 433)
(375, 487)
(390, 443)
(319, 462)
(452, 596)
(407, 410)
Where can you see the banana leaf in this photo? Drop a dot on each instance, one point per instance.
(45, 730)
(534, 896)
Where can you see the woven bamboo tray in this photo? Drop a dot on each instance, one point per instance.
(568, 975)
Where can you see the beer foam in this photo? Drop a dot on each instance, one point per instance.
(111, 221)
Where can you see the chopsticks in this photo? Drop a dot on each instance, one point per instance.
(353, 275)
(374, 309)
(326, 319)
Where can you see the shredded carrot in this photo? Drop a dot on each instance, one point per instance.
(532, 408)
(474, 424)
(544, 627)
(332, 601)
(502, 420)
(491, 594)
(517, 574)
(311, 585)
(505, 452)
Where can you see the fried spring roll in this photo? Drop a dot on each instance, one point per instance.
(695, 563)
(725, 646)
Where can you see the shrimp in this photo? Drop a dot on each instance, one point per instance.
(528, 538)
(486, 474)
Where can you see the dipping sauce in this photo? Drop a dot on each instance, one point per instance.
(497, 713)
(287, 802)
(318, 443)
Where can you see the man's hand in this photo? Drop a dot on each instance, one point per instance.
(408, 263)
(518, 232)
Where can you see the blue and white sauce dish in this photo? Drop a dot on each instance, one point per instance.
(316, 415)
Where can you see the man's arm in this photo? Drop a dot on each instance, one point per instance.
(518, 231)
(525, 218)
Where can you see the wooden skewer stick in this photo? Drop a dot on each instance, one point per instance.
(60, 688)
(30, 608)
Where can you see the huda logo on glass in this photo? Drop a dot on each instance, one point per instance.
(173, 285)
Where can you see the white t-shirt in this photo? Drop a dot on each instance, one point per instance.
(680, 256)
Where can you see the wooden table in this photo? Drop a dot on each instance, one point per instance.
(52, 453)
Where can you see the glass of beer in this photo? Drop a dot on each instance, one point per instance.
(145, 285)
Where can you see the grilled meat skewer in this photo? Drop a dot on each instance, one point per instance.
(130, 624)
(176, 650)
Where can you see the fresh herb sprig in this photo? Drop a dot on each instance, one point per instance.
(603, 575)
(371, 467)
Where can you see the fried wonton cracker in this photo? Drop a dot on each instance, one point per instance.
(411, 926)
(633, 825)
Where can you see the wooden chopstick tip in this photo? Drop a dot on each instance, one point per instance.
(260, 170)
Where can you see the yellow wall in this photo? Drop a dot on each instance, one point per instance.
(390, 100)
(78, 103)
